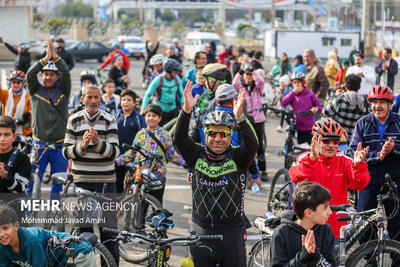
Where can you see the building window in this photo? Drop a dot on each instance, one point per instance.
(345, 42)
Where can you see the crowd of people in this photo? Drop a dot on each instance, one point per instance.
(218, 105)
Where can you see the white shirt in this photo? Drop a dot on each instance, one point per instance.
(368, 81)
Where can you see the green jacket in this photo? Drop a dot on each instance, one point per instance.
(49, 105)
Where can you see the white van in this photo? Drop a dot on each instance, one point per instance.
(195, 41)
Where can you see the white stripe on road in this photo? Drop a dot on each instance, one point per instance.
(179, 187)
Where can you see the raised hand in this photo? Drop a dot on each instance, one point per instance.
(360, 154)
(309, 241)
(386, 149)
(238, 104)
(189, 101)
(316, 146)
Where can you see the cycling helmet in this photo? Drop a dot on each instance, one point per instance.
(298, 76)
(25, 46)
(217, 71)
(328, 128)
(156, 59)
(116, 44)
(382, 93)
(152, 180)
(88, 75)
(17, 75)
(50, 66)
(219, 118)
(171, 65)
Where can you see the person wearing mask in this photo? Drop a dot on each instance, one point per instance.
(284, 63)
(386, 69)
(23, 59)
(254, 85)
(299, 65)
(366, 73)
(119, 74)
(111, 56)
(256, 62)
(16, 103)
(200, 59)
(64, 54)
(331, 68)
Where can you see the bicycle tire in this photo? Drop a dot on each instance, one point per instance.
(104, 256)
(259, 254)
(277, 175)
(357, 257)
(134, 252)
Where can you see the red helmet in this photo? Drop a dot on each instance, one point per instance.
(328, 128)
(381, 92)
(17, 74)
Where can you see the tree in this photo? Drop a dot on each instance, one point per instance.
(168, 16)
(76, 9)
(55, 26)
(131, 27)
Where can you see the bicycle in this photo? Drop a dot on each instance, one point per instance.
(135, 205)
(377, 251)
(57, 219)
(55, 244)
(159, 245)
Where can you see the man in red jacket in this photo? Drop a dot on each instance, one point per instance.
(332, 169)
(125, 60)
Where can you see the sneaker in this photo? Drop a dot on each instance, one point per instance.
(264, 176)
(279, 129)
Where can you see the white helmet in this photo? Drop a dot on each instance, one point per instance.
(156, 59)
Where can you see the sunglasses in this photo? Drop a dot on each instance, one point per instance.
(16, 81)
(212, 79)
(222, 134)
(333, 141)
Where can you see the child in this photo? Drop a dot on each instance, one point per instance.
(15, 166)
(110, 100)
(280, 92)
(129, 123)
(302, 99)
(200, 85)
(303, 238)
(27, 246)
(153, 116)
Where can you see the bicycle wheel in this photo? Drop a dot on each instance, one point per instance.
(135, 252)
(368, 253)
(103, 256)
(259, 254)
(275, 200)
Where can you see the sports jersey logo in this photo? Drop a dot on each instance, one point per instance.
(215, 171)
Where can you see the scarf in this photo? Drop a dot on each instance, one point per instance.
(19, 111)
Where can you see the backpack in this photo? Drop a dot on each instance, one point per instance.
(158, 91)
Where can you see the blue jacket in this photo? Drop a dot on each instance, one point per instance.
(190, 75)
(366, 132)
(33, 243)
(392, 71)
(128, 127)
(300, 68)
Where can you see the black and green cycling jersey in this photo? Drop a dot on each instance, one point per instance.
(218, 181)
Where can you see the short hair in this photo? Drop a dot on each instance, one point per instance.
(197, 55)
(358, 54)
(258, 54)
(310, 52)
(388, 50)
(108, 81)
(156, 109)
(299, 58)
(7, 215)
(251, 53)
(8, 122)
(90, 86)
(130, 93)
(309, 195)
(353, 82)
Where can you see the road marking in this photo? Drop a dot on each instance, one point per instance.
(180, 187)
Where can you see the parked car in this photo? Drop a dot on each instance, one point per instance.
(89, 50)
(195, 41)
(135, 45)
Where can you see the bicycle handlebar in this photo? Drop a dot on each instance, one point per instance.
(342, 207)
(147, 155)
(65, 242)
(391, 185)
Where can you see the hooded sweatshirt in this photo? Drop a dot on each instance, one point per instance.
(347, 109)
(286, 248)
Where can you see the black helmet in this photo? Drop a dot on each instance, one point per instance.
(152, 180)
(298, 76)
(219, 118)
(217, 71)
(171, 65)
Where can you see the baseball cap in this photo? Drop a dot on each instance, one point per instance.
(225, 92)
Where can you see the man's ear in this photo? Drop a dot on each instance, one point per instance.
(307, 212)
